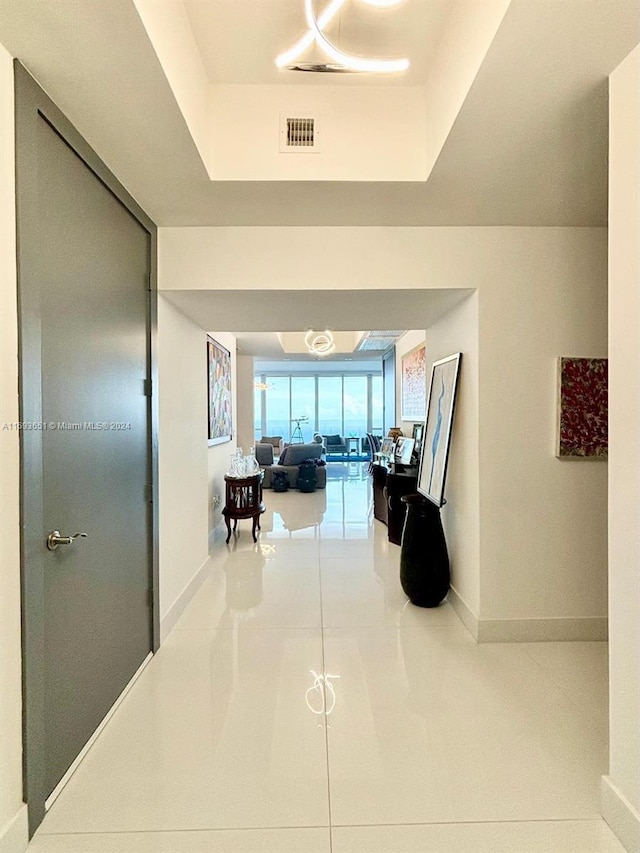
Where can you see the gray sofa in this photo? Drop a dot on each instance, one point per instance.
(332, 443)
(291, 458)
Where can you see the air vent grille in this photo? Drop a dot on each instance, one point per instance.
(380, 340)
(299, 133)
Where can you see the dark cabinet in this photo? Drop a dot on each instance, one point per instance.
(379, 473)
(389, 485)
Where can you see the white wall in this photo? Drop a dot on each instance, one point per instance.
(245, 401)
(182, 442)
(13, 830)
(219, 455)
(543, 520)
(458, 332)
(621, 789)
(407, 342)
(541, 294)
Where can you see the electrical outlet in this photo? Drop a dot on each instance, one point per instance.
(216, 500)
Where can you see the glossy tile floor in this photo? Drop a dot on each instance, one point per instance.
(301, 705)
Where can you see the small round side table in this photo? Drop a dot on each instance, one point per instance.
(243, 500)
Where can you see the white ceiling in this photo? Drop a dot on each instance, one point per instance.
(529, 146)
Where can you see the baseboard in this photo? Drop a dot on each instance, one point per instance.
(542, 630)
(467, 617)
(217, 534)
(167, 623)
(621, 816)
(14, 837)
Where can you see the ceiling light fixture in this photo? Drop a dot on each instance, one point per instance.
(344, 61)
(319, 343)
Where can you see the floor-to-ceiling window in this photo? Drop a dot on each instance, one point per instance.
(343, 404)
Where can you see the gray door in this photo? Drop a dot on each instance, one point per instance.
(87, 265)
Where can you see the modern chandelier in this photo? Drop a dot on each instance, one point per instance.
(343, 61)
(319, 343)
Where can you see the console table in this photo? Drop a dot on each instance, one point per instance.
(390, 483)
(243, 500)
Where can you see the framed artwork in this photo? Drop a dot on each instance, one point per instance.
(404, 449)
(582, 420)
(418, 431)
(437, 431)
(387, 447)
(219, 376)
(413, 384)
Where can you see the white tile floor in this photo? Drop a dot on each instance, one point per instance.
(420, 740)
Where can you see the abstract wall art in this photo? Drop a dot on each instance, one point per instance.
(219, 375)
(437, 432)
(414, 384)
(582, 420)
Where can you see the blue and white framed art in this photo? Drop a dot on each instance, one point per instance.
(437, 433)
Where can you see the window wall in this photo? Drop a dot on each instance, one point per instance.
(347, 405)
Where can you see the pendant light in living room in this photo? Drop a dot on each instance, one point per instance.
(319, 343)
(339, 60)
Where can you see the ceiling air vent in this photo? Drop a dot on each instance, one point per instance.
(299, 133)
(379, 340)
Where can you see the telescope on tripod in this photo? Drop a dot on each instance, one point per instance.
(296, 435)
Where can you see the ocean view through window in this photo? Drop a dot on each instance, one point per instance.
(342, 404)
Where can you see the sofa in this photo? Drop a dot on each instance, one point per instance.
(276, 441)
(332, 443)
(289, 462)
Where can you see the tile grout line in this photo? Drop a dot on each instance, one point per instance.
(326, 718)
(553, 681)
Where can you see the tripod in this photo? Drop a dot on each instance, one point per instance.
(297, 436)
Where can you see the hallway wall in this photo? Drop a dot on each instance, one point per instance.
(183, 460)
(13, 815)
(621, 789)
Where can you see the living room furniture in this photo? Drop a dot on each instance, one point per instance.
(333, 443)
(276, 441)
(390, 483)
(289, 462)
(243, 499)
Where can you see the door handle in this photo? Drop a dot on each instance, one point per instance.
(54, 539)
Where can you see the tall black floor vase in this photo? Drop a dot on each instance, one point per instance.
(424, 561)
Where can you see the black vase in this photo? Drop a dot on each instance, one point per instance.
(279, 481)
(307, 478)
(424, 561)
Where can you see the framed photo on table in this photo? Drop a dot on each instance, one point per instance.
(404, 449)
(417, 434)
(219, 392)
(437, 432)
(387, 447)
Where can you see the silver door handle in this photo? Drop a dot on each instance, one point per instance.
(54, 539)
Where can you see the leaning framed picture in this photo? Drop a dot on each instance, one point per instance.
(219, 392)
(414, 384)
(418, 432)
(437, 432)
